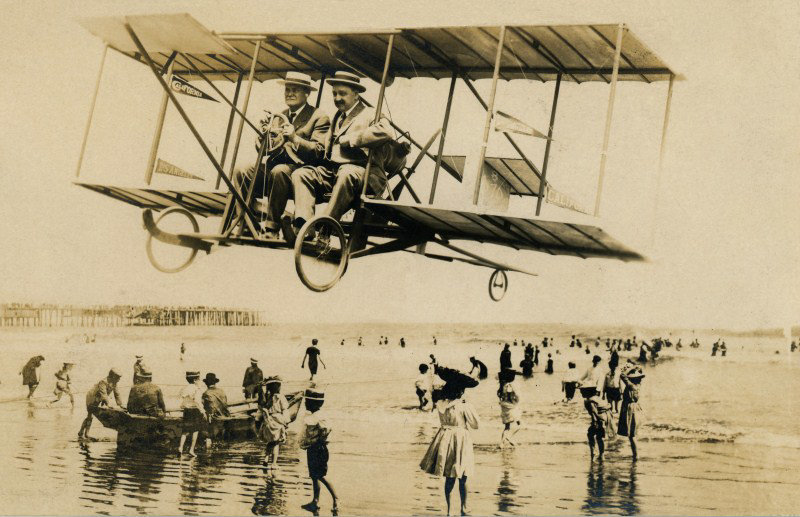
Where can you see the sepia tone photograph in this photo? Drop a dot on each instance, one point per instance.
(400, 258)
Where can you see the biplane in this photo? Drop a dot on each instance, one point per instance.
(397, 219)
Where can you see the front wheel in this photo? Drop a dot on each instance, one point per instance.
(171, 258)
(321, 253)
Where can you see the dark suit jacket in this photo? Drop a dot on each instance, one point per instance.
(311, 126)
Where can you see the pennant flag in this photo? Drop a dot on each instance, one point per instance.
(505, 123)
(163, 167)
(555, 197)
(181, 85)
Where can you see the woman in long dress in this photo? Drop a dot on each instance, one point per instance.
(630, 411)
(450, 453)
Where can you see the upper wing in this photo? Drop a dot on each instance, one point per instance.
(555, 238)
(202, 203)
(581, 53)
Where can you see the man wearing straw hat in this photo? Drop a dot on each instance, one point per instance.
(343, 166)
(146, 398)
(305, 142)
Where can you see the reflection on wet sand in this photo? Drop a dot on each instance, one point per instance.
(507, 486)
(137, 475)
(611, 489)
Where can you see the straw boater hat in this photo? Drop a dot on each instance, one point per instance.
(314, 394)
(349, 79)
(192, 374)
(275, 379)
(254, 360)
(210, 379)
(139, 356)
(297, 79)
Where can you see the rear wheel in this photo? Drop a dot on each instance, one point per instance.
(169, 258)
(498, 285)
(321, 253)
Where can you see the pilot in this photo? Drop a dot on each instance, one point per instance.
(305, 145)
(343, 166)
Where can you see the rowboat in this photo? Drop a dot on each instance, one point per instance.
(165, 431)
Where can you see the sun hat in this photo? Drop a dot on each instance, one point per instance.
(348, 79)
(297, 79)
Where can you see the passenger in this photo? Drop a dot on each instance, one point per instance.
(146, 398)
(315, 442)
(215, 402)
(252, 383)
(194, 413)
(30, 373)
(343, 167)
(63, 384)
(483, 372)
(99, 396)
(305, 145)
(313, 353)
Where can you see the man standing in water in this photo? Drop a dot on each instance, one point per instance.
(138, 368)
(312, 353)
(251, 384)
(100, 395)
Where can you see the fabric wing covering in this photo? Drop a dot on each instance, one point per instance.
(554, 238)
(202, 203)
(580, 53)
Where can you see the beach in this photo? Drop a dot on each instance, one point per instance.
(719, 433)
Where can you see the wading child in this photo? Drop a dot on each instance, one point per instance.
(509, 408)
(315, 442)
(276, 415)
(63, 385)
(194, 415)
(600, 425)
(423, 385)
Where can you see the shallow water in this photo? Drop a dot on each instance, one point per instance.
(720, 434)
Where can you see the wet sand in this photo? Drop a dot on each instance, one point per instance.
(719, 438)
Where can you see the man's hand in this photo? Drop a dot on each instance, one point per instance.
(289, 133)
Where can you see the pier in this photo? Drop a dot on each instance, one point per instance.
(50, 315)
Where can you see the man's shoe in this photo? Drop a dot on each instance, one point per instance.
(288, 230)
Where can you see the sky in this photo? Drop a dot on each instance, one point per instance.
(722, 245)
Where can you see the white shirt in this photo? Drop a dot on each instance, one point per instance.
(594, 377)
(191, 397)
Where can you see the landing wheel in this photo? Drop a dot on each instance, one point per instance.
(320, 253)
(169, 258)
(498, 285)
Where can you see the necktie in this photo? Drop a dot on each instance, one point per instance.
(292, 114)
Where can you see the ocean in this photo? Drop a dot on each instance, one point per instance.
(719, 434)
